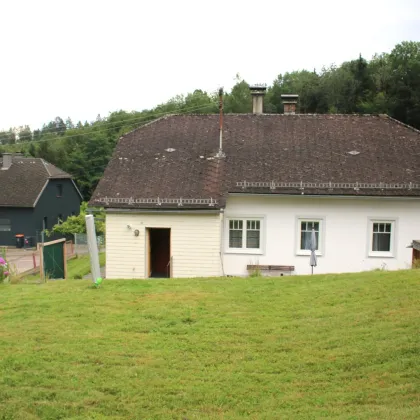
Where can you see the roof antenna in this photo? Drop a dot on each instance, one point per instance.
(220, 153)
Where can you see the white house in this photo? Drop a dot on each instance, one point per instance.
(188, 197)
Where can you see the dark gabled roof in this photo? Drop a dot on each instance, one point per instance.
(23, 182)
(174, 157)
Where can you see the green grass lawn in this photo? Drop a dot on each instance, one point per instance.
(80, 266)
(336, 346)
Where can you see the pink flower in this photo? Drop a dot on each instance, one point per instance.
(6, 273)
(2, 262)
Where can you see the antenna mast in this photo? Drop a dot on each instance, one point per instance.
(220, 153)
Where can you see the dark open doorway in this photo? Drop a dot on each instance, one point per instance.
(159, 252)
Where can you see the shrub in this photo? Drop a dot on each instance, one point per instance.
(77, 224)
(256, 272)
(4, 269)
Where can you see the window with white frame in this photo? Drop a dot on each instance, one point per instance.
(381, 237)
(245, 234)
(253, 234)
(305, 228)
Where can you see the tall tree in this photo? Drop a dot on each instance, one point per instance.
(45, 151)
(8, 137)
(405, 82)
(24, 133)
(239, 98)
(200, 102)
(37, 134)
(69, 123)
(60, 126)
(32, 150)
(304, 83)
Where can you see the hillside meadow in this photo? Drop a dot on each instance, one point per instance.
(334, 346)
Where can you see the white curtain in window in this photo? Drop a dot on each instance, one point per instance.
(381, 240)
(306, 232)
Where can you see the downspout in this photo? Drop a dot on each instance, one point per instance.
(222, 235)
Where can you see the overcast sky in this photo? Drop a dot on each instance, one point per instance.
(84, 58)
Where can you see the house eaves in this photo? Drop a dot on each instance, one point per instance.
(40, 193)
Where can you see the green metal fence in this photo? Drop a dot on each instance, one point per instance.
(54, 259)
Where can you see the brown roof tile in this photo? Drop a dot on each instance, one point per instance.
(280, 148)
(22, 183)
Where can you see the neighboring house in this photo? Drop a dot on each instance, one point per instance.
(34, 195)
(178, 207)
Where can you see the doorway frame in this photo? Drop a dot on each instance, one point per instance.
(148, 254)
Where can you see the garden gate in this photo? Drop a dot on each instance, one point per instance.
(53, 259)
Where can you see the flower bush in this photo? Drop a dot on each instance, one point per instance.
(4, 271)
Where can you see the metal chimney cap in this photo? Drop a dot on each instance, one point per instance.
(290, 98)
(258, 89)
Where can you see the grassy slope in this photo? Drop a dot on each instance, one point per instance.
(297, 347)
(79, 266)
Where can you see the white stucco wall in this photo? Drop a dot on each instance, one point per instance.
(346, 233)
(195, 244)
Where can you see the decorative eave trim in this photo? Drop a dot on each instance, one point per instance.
(40, 193)
(77, 189)
(323, 196)
(45, 166)
(157, 201)
(356, 186)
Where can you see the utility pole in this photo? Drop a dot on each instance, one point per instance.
(93, 248)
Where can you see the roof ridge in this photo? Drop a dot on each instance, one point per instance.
(400, 123)
(242, 114)
(147, 124)
(274, 114)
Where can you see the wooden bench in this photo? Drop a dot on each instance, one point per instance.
(271, 268)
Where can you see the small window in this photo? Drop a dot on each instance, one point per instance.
(60, 219)
(304, 235)
(59, 190)
(235, 233)
(253, 234)
(306, 228)
(245, 234)
(45, 223)
(73, 213)
(5, 225)
(382, 237)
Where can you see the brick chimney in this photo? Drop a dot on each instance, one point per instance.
(289, 102)
(7, 161)
(257, 92)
